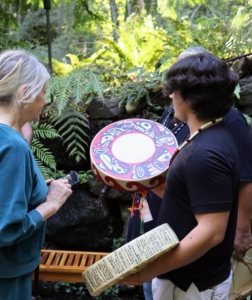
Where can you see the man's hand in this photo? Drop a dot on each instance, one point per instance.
(243, 238)
(136, 279)
(243, 242)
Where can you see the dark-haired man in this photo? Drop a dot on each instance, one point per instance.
(201, 196)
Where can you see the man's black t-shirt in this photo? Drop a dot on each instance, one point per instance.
(239, 131)
(203, 178)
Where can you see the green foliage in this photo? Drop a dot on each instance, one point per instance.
(248, 119)
(70, 287)
(140, 86)
(33, 29)
(8, 41)
(80, 85)
(237, 91)
(240, 30)
(140, 44)
(43, 156)
(84, 176)
(55, 173)
(44, 131)
(60, 69)
(73, 126)
(117, 243)
(110, 293)
(71, 95)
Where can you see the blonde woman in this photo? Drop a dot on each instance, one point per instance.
(25, 199)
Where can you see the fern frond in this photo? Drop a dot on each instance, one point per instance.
(73, 126)
(76, 135)
(45, 171)
(73, 115)
(119, 50)
(43, 154)
(44, 131)
(97, 86)
(80, 85)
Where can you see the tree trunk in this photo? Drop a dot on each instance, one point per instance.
(140, 6)
(148, 6)
(158, 15)
(60, 18)
(229, 7)
(70, 17)
(128, 9)
(19, 10)
(113, 11)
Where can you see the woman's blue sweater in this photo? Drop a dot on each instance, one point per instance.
(22, 189)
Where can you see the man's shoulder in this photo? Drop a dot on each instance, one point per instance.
(234, 115)
(214, 142)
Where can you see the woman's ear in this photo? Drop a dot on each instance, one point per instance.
(22, 91)
(24, 104)
(22, 97)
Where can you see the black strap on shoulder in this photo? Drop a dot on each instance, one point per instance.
(168, 113)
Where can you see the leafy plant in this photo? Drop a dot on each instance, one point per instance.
(140, 44)
(84, 176)
(71, 94)
(8, 41)
(142, 83)
(73, 127)
(80, 85)
(43, 156)
(110, 293)
(55, 173)
(117, 243)
(70, 287)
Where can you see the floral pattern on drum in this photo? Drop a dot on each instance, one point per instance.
(132, 150)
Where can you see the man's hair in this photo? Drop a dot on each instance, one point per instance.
(204, 81)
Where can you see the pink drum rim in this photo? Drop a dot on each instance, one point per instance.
(103, 160)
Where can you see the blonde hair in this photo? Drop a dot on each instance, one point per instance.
(22, 77)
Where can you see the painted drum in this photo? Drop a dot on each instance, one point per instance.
(132, 154)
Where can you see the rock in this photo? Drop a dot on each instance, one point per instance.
(104, 109)
(245, 102)
(84, 223)
(96, 188)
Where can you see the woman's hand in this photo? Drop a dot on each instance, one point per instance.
(48, 181)
(58, 193)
